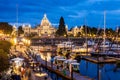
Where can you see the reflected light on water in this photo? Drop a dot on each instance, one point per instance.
(40, 75)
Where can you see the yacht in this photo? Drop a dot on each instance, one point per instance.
(66, 44)
(87, 47)
(73, 64)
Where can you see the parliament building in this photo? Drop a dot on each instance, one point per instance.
(44, 29)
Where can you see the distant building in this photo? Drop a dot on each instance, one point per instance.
(75, 30)
(44, 29)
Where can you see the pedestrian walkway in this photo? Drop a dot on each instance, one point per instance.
(76, 76)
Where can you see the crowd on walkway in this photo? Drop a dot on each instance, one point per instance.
(20, 72)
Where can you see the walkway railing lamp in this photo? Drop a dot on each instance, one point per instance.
(15, 42)
(71, 71)
(52, 61)
(46, 59)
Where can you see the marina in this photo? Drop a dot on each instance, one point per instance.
(60, 40)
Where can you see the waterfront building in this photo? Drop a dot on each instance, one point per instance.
(75, 31)
(44, 29)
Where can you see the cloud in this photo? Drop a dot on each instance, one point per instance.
(116, 12)
(78, 14)
(73, 11)
(113, 12)
(95, 1)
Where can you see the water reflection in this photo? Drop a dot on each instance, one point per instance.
(99, 71)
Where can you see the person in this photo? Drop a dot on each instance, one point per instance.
(40, 68)
(64, 70)
(71, 70)
(52, 60)
(13, 77)
(0, 75)
(22, 71)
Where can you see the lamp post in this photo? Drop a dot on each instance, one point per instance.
(45, 54)
(15, 42)
(71, 71)
(46, 59)
(52, 61)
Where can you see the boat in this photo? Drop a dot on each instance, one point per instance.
(87, 47)
(60, 62)
(71, 64)
(65, 44)
(75, 66)
(56, 58)
(67, 62)
(106, 48)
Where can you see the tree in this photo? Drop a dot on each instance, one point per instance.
(93, 31)
(4, 62)
(6, 28)
(100, 32)
(110, 32)
(61, 29)
(118, 31)
(5, 45)
(20, 30)
(4, 51)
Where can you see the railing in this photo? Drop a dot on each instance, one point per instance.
(55, 74)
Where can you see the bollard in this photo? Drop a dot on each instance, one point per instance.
(45, 77)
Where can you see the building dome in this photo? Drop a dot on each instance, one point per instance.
(45, 21)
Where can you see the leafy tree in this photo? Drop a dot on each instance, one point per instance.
(4, 51)
(5, 46)
(118, 31)
(110, 32)
(61, 29)
(100, 32)
(93, 31)
(6, 28)
(20, 30)
(4, 62)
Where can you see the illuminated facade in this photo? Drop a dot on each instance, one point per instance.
(44, 29)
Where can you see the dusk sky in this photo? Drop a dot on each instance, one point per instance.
(75, 12)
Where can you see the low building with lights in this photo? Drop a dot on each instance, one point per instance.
(75, 31)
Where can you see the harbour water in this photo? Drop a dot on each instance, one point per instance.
(99, 71)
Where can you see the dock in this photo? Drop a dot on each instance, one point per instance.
(53, 69)
(100, 60)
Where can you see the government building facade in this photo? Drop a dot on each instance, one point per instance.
(45, 28)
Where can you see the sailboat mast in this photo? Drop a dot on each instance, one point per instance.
(86, 37)
(104, 27)
(17, 20)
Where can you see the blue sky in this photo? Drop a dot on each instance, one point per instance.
(75, 12)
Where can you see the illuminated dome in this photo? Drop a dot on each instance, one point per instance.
(45, 21)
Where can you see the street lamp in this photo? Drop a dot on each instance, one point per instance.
(15, 42)
(71, 71)
(46, 58)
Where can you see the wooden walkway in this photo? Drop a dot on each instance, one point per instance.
(100, 60)
(76, 76)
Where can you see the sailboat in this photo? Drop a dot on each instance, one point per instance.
(105, 45)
